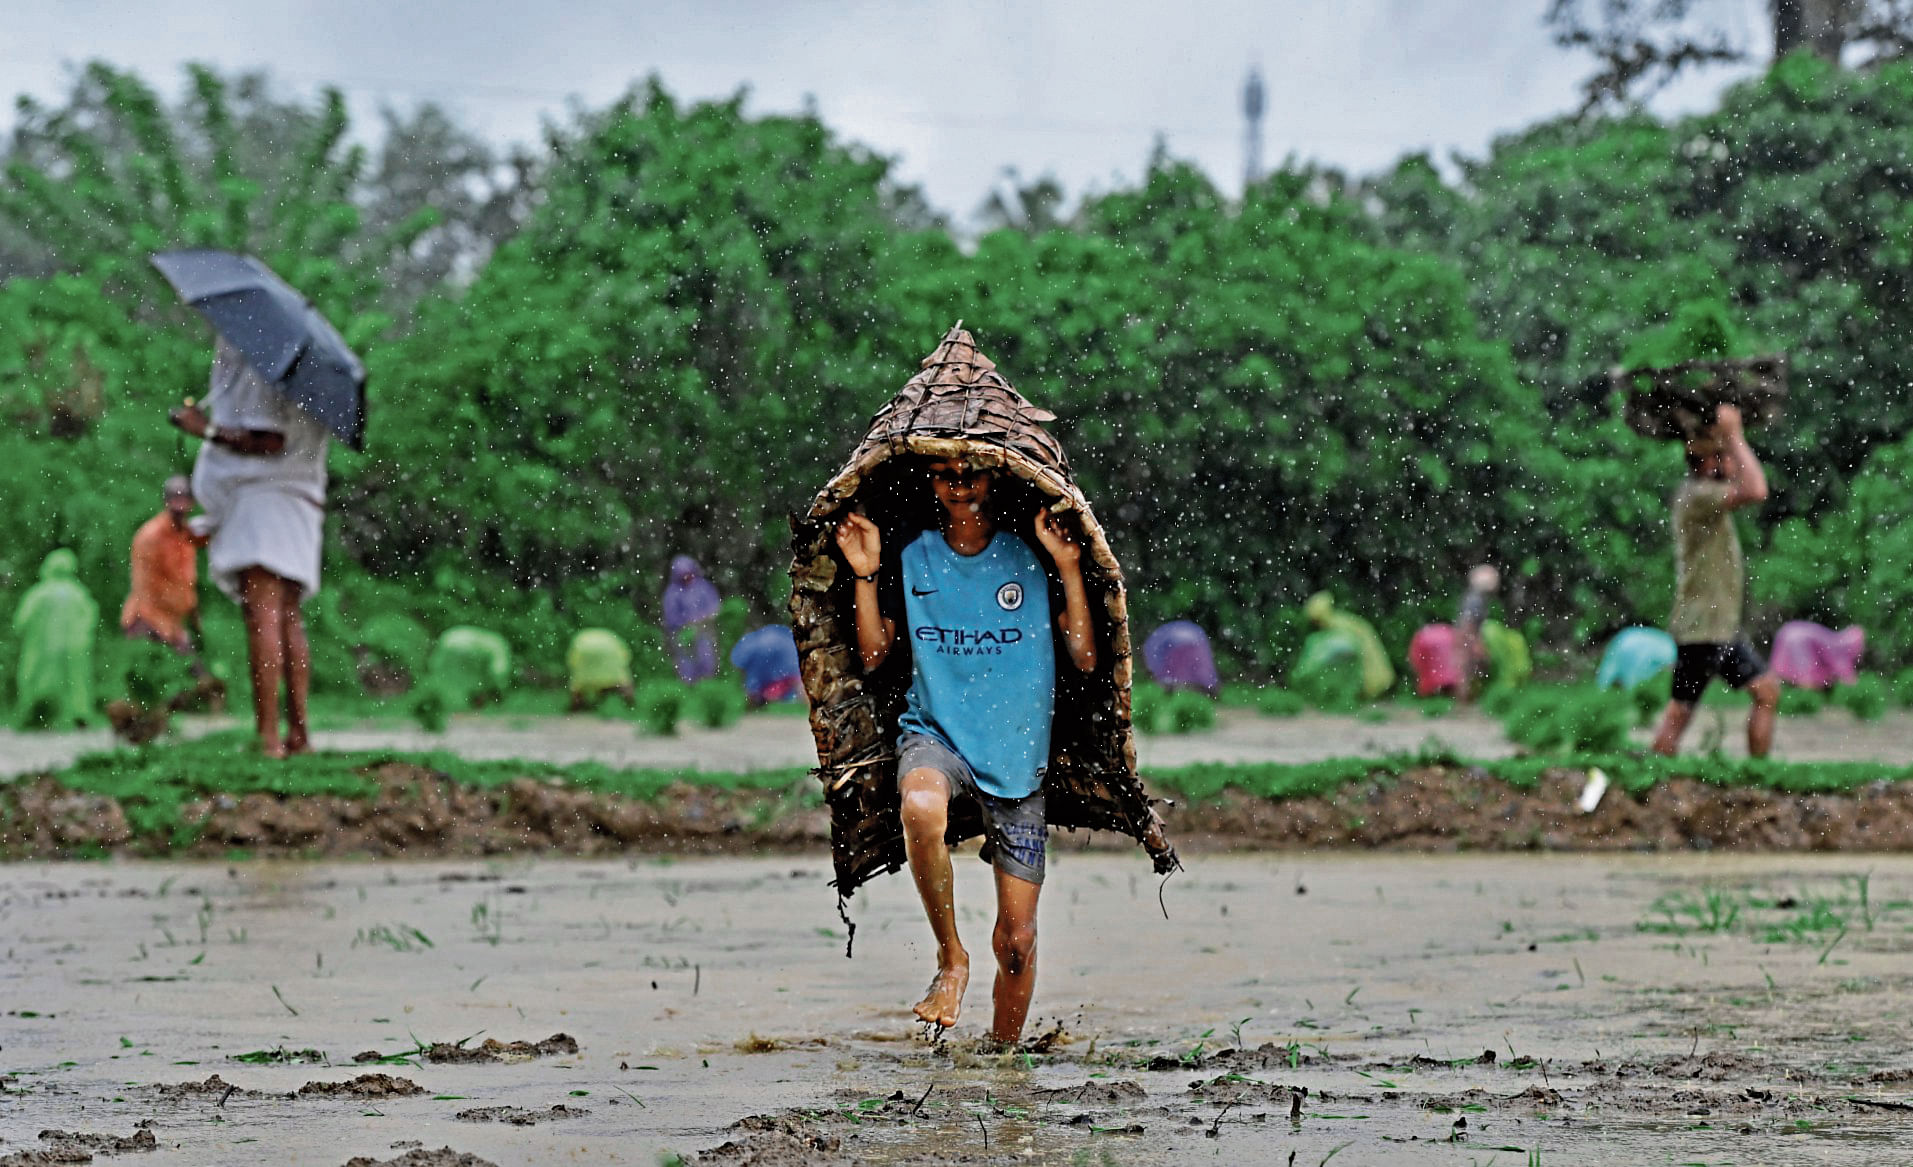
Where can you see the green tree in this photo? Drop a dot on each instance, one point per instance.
(1261, 401)
(115, 172)
(1788, 203)
(641, 370)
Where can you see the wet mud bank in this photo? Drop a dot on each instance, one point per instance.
(418, 812)
(1255, 1105)
(1459, 808)
(415, 812)
(1605, 1010)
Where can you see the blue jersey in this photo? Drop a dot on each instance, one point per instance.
(983, 658)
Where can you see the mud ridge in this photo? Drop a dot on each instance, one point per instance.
(423, 813)
(417, 812)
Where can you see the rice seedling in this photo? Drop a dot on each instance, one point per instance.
(399, 938)
(488, 920)
(1713, 911)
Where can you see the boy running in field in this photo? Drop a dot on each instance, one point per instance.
(976, 724)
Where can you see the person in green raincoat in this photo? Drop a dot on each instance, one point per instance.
(1378, 675)
(55, 624)
(600, 663)
(469, 665)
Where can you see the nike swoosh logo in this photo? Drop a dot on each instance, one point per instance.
(917, 591)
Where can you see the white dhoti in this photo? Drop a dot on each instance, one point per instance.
(258, 524)
(262, 510)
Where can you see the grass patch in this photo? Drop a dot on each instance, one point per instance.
(1154, 710)
(1268, 700)
(1818, 914)
(714, 704)
(660, 705)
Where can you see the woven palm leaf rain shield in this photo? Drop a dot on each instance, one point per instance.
(1677, 402)
(957, 406)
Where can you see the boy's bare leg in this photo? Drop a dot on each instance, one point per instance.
(926, 815)
(1765, 690)
(1015, 943)
(1674, 719)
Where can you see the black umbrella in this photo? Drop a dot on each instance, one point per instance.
(280, 334)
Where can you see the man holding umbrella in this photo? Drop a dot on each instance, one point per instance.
(281, 379)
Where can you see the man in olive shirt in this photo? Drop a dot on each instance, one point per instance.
(1723, 476)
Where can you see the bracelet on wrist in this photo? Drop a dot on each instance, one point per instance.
(871, 578)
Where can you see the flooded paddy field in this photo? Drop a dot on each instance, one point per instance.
(1307, 1008)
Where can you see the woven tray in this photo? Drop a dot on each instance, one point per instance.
(958, 406)
(1678, 402)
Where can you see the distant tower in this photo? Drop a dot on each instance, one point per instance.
(1252, 110)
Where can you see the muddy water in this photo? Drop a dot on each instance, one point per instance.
(1710, 1009)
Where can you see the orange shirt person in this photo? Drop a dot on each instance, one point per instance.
(164, 599)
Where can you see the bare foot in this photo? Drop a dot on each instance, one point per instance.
(274, 750)
(941, 1005)
(296, 743)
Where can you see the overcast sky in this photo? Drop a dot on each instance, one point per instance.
(955, 90)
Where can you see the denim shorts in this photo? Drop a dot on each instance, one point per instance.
(1015, 830)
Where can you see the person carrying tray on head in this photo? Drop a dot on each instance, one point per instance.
(975, 606)
(1723, 476)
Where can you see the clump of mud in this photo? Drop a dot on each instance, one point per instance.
(493, 1050)
(79, 1147)
(52, 1157)
(518, 1116)
(363, 1086)
(443, 1157)
(1092, 1091)
(214, 1086)
(773, 1141)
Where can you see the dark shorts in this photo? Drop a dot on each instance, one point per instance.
(1015, 830)
(1734, 662)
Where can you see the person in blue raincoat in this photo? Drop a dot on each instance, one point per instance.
(768, 659)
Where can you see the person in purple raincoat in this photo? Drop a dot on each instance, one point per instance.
(690, 619)
(1178, 657)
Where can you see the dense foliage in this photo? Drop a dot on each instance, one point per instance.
(689, 314)
(1790, 204)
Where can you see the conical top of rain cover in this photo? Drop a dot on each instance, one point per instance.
(957, 406)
